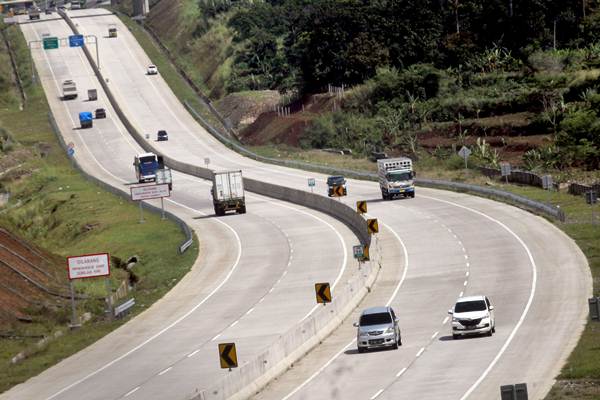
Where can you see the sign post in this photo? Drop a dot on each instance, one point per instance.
(87, 266)
(505, 170)
(464, 152)
(547, 185)
(139, 193)
(591, 198)
(311, 184)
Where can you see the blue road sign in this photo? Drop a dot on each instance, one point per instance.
(75, 40)
(70, 152)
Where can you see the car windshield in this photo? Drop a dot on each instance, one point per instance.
(468, 306)
(375, 319)
(398, 176)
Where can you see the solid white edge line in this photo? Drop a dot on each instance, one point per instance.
(527, 306)
(376, 394)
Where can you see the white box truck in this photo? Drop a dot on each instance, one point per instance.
(69, 90)
(228, 192)
(396, 177)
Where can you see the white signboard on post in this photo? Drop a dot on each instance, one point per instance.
(163, 176)
(149, 192)
(88, 266)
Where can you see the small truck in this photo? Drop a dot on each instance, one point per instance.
(228, 192)
(69, 90)
(86, 119)
(396, 177)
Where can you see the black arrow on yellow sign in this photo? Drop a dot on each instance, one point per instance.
(228, 355)
(323, 292)
(338, 191)
(361, 207)
(372, 225)
(365, 256)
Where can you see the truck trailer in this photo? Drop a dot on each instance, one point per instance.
(396, 177)
(228, 192)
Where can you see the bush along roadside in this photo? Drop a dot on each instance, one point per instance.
(52, 205)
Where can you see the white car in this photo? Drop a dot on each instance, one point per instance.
(152, 70)
(472, 315)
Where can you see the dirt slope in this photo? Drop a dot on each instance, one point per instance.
(32, 281)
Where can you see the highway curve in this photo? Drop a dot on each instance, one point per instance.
(443, 245)
(249, 266)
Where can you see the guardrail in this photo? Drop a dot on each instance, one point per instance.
(123, 309)
(329, 206)
(189, 238)
(447, 185)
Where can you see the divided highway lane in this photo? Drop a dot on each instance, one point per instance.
(518, 260)
(249, 266)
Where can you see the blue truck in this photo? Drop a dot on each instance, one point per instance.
(146, 165)
(86, 119)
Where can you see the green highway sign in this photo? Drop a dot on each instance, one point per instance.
(50, 43)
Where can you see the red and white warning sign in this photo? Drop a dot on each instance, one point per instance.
(88, 266)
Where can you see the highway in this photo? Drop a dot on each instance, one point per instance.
(249, 264)
(437, 247)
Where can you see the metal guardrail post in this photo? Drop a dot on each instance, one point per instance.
(594, 306)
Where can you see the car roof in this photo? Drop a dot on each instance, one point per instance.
(375, 310)
(470, 298)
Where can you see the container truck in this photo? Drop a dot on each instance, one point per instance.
(396, 177)
(228, 192)
(69, 90)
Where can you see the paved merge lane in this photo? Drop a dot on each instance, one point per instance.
(515, 258)
(262, 257)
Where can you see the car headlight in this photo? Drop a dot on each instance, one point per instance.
(389, 330)
(454, 319)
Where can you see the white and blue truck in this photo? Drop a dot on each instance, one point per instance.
(146, 165)
(396, 177)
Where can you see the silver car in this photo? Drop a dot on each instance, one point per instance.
(377, 327)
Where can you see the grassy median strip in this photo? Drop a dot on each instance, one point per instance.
(55, 207)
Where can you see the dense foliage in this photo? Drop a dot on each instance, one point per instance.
(312, 43)
(412, 63)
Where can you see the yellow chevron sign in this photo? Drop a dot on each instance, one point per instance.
(372, 226)
(361, 207)
(228, 355)
(323, 292)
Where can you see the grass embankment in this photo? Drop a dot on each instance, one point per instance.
(53, 206)
(579, 378)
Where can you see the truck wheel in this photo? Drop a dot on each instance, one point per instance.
(384, 195)
(218, 211)
(412, 195)
(242, 210)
